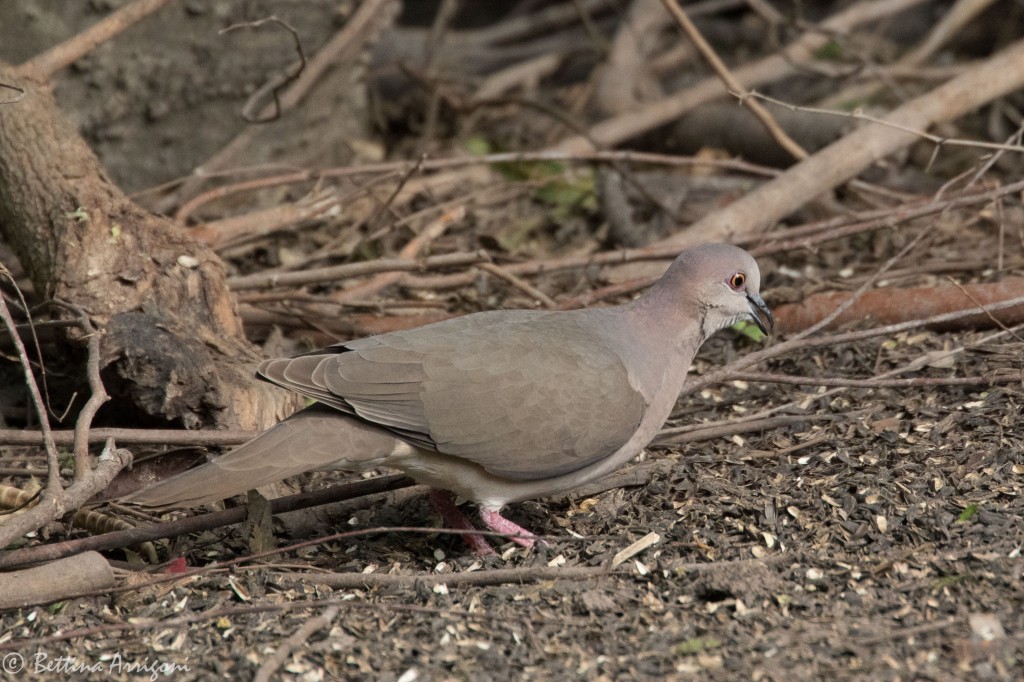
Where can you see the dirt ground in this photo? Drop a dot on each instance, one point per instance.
(870, 533)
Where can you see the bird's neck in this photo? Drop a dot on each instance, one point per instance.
(669, 338)
(666, 318)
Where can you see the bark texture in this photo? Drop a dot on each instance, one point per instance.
(173, 343)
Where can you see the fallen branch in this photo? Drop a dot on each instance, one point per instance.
(361, 31)
(950, 25)
(410, 251)
(195, 524)
(111, 462)
(227, 231)
(86, 519)
(55, 581)
(387, 169)
(131, 437)
(620, 128)
(339, 272)
(760, 356)
(55, 499)
(48, 63)
(844, 159)
(878, 382)
(891, 306)
(916, 364)
(498, 576)
(732, 83)
(779, 241)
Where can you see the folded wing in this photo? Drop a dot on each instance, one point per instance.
(544, 397)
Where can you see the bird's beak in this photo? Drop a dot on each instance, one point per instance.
(759, 311)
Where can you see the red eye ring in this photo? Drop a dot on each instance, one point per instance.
(738, 281)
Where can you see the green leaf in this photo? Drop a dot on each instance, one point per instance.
(948, 581)
(830, 50)
(750, 330)
(563, 194)
(968, 513)
(517, 233)
(79, 215)
(478, 146)
(530, 170)
(696, 645)
(568, 196)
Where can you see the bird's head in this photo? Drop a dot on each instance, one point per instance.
(720, 285)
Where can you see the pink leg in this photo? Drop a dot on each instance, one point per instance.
(499, 524)
(444, 503)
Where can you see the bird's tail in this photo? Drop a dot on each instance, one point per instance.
(314, 438)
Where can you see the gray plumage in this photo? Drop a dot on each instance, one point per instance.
(498, 406)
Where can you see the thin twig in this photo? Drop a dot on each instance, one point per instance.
(695, 433)
(776, 242)
(916, 364)
(339, 272)
(734, 86)
(44, 65)
(195, 524)
(755, 358)
(292, 177)
(876, 382)
(111, 461)
(527, 288)
(297, 640)
(98, 394)
(618, 129)
(378, 215)
(131, 437)
(848, 303)
(54, 491)
(364, 25)
(975, 301)
(186, 210)
(411, 250)
(276, 84)
(859, 115)
(498, 576)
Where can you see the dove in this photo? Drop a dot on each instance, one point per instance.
(494, 407)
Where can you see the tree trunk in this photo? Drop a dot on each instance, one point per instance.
(173, 344)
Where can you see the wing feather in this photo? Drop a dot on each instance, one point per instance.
(527, 398)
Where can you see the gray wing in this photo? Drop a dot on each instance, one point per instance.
(534, 396)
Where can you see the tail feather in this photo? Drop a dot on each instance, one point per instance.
(314, 438)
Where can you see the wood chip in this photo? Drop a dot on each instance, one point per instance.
(637, 547)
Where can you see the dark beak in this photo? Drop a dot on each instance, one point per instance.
(759, 311)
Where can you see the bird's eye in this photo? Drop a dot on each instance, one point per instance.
(738, 281)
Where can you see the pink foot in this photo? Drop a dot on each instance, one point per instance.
(444, 503)
(498, 523)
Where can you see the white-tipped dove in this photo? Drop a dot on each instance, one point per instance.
(496, 407)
